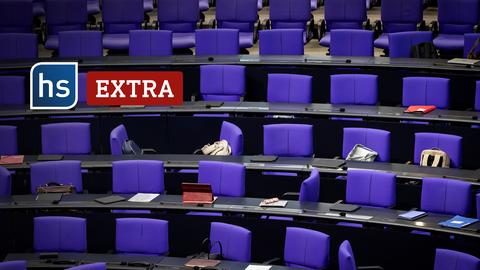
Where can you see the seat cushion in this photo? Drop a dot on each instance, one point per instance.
(183, 40)
(52, 42)
(449, 42)
(325, 41)
(381, 42)
(246, 40)
(116, 41)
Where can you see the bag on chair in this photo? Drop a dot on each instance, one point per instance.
(218, 148)
(131, 148)
(435, 158)
(56, 188)
(362, 153)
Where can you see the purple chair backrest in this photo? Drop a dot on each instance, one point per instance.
(375, 139)
(469, 41)
(17, 16)
(5, 182)
(289, 88)
(12, 90)
(351, 42)
(234, 136)
(80, 44)
(446, 259)
(118, 136)
(345, 14)
(65, 15)
(288, 140)
(310, 188)
(458, 16)
(141, 236)
(121, 16)
(62, 172)
(227, 179)
(217, 42)
(59, 234)
(13, 265)
(426, 91)
(66, 138)
(371, 188)
(281, 42)
(401, 15)
(178, 15)
(450, 144)
(353, 89)
(285, 14)
(15, 46)
(305, 248)
(346, 260)
(401, 43)
(222, 82)
(236, 241)
(236, 14)
(150, 43)
(446, 196)
(138, 176)
(8, 144)
(90, 266)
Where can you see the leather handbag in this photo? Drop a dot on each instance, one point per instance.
(56, 188)
(435, 158)
(218, 148)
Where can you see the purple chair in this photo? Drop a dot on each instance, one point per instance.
(90, 266)
(150, 43)
(61, 172)
(222, 82)
(281, 42)
(357, 89)
(307, 249)
(12, 90)
(217, 42)
(38, 8)
(17, 16)
(310, 188)
(59, 234)
(451, 144)
(119, 17)
(148, 5)
(137, 176)
(80, 44)
(235, 241)
(181, 18)
(401, 43)
(371, 188)
(375, 139)
(66, 138)
(93, 7)
(234, 136)
(446, 259)
(342, 14)
(13, 265)
(141, 236)
(398, 16)
(118, 136)
(64, 15)
(5, 182)
(346, 260)
(8, 144)
(15, 46)
(289, 88)
(469, 40)
(227, 179)
(288, 140)
(238, 14)
(426, 91)
(291, 14)
(351, 42)
(455, 18)
(446, 196)
(203, 5)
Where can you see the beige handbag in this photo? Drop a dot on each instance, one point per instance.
(218, 148)
(435, 158)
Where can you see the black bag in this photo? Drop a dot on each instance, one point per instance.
(206, 252)
(129, 147)
(424, 50)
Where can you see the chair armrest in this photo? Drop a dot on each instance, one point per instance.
(322, 28)
(367, 25)
(195, 97)
(213, 23)
(422, 26)
(277, 261)
(377, 267)
(377, 28)
(291, 196)
(267, 24)
(476, 28)
(149, 151)
(434, 27)
(43, 31)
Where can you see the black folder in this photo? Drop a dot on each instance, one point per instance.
(328, 163)
(110, 199)
(342, 207)
(263, 158)
(49, 157)
(49, 197)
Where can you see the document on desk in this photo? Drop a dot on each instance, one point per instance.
(360, 217)
(258, 267)
(143, 197)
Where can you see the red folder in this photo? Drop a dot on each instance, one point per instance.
(422, 109)
(197, 193)
(5, 160)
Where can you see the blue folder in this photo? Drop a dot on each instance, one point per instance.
(458, 222)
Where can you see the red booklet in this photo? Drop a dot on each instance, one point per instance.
(5, 160)
(197, 193)
(422, 109)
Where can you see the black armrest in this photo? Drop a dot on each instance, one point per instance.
(377, 28)
(213, 23)
(276, 261)
(377, 267)
(149, 151)
(422, 26)
(267, 24)
(257, 27)
(367, 25)
(434, 27)
(291, 196)
(322, 28)
(476, 28)
(43, 31)
(195, 97)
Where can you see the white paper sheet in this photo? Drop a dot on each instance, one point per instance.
(143, 197)
(258, 267)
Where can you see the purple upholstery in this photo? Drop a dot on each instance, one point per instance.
(137, 176)
(446, 196)
(401, 43)
(181, 18)
(238, 14)
(446, 259)
(150, 43)
(119, 17)
(17, 16)
(93, 7)
(62, 172)
(141, 236)
(469, 40)
(118, 136)
(236, 241)
(426, 91)
(217, 42)
(8, 143)
(234, 136)
(310, 188)
(289, 88)
(59, 234)
(353, 89)
(80, 44)
(90, 266)
(14, 46)
(288, 140)
(13, 265)
(5, 182)
(305, 248)
(148, 5)
(66, 138)
(12, 90)
(346, 260)
(289, 14)
(38, 8)
(376, 139)
(222, 82)
(281, 42)
(372, 188)
(64, 15)
(450, 144)
(227, 179)
(351, 42)
(203, 5)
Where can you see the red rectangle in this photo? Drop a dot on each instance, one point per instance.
(134, 88)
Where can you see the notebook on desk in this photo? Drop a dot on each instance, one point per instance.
(110, 199)
(458, 222)
(328, 163)
(463, 61)
(49, 197)
(49, 157)
(202, 263)
(342, 207)
(263, 158)
(6, 160)
(420, 109)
